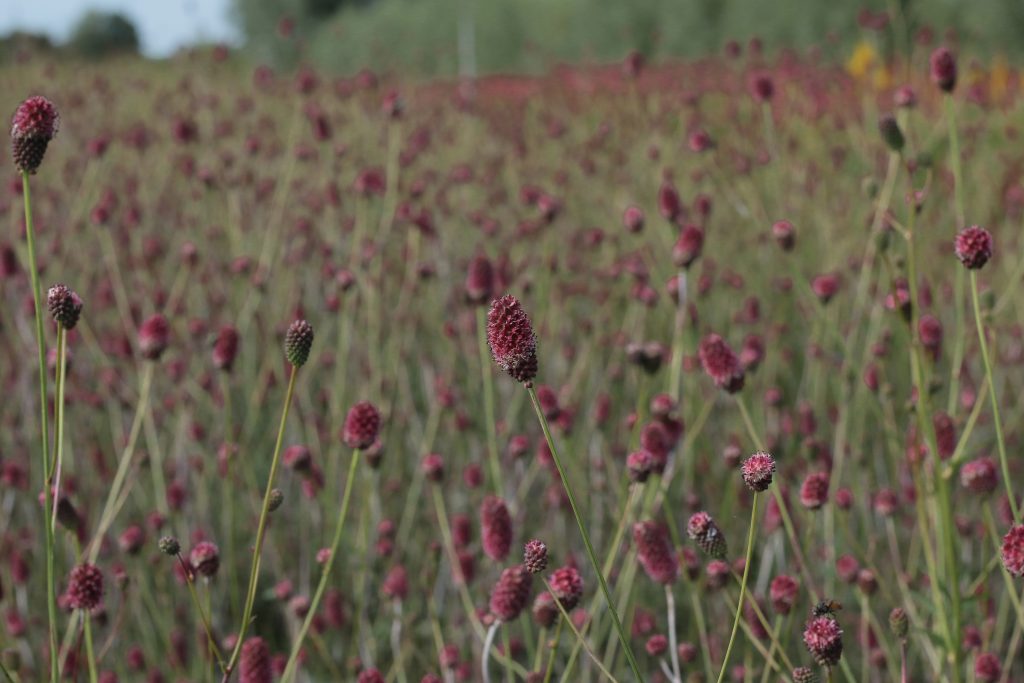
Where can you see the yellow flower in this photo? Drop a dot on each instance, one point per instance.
(862, 59)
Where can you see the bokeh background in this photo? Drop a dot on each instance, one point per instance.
(449, 37)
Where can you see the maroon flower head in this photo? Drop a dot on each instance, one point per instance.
(298, 340)
(65, 306)
(511, 338)
(362, 424)
(762, 88)
(225, 349)
(639, 465)
(758, 470)
(535, 556)
(297, 457)
(85, 587)
(979, 476)
(34, 124)
(814, 490)
(702, 529)
(633, 219)
(802, 674)
(479, 280)
(432, 467)
(544, 610)
(511, 593)
(654, 552)
(688, 247)
(782, 231)
(721, 363)
(396, 583)
(943, 69)
(567, 585)
(496, 528)
(154, 335)
(987, 668)
(974, 247)
(254, 662)
(370, 675)
(205, 558)
(1013, 550)
(783, 593)
(824, 640)
(656, 645)
(669, 204)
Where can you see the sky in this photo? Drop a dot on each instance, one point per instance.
(163, 25)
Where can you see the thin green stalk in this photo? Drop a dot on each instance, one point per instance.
(90, 655)
(583, 532)
(958, 287)
(554, 649)
(743, 587)
(486, 654)
(293, 658)
(987, 361)
(485, 369)
(51, 596)
(261, 531)
(210, 640)
(579, 636)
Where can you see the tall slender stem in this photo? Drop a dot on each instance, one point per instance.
(583, 532)
(211, 642)
(743, 588)
(1000, 442)
(90, 655)
(325, 573)
(958, 290)
(670, 606)
(261, 530)
(486, 654)
(51, 596)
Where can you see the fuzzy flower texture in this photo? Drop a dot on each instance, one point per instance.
(34, 124)
(511, 338)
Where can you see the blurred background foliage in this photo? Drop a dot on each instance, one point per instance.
(422, 36)
(446, 37)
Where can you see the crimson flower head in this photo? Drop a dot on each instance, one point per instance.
(362, 424)
(34, 124)
(511, 593)
(254, 662)
(979, 476)
(511, 338)
(535, 556)
(479, 280)
(496, 528)
(1013, 550)
(205, 558)
(688, 247)
(814, 490)
(824, 640)
(669, 203)
(802, 674)
(567, 585)
(943, 69)
(225, 349)
(783, 592)
(85, 587)
(633, 219)
(154, 335)
(65, 306)
(974, 247)
(758, 470)
(654, 552)
(762, 88)
(721, 363)
(702, 529)
(987, 668)
(298, 341)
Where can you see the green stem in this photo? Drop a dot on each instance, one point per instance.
(90, 656)
(743, 587)
(1000, 442)
(261, 531)
(293, 658)
(51, 596)
(958, 204)
(554, 649)
(210, 640)
(583, 532)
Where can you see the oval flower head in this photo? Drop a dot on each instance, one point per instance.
(511, 338)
